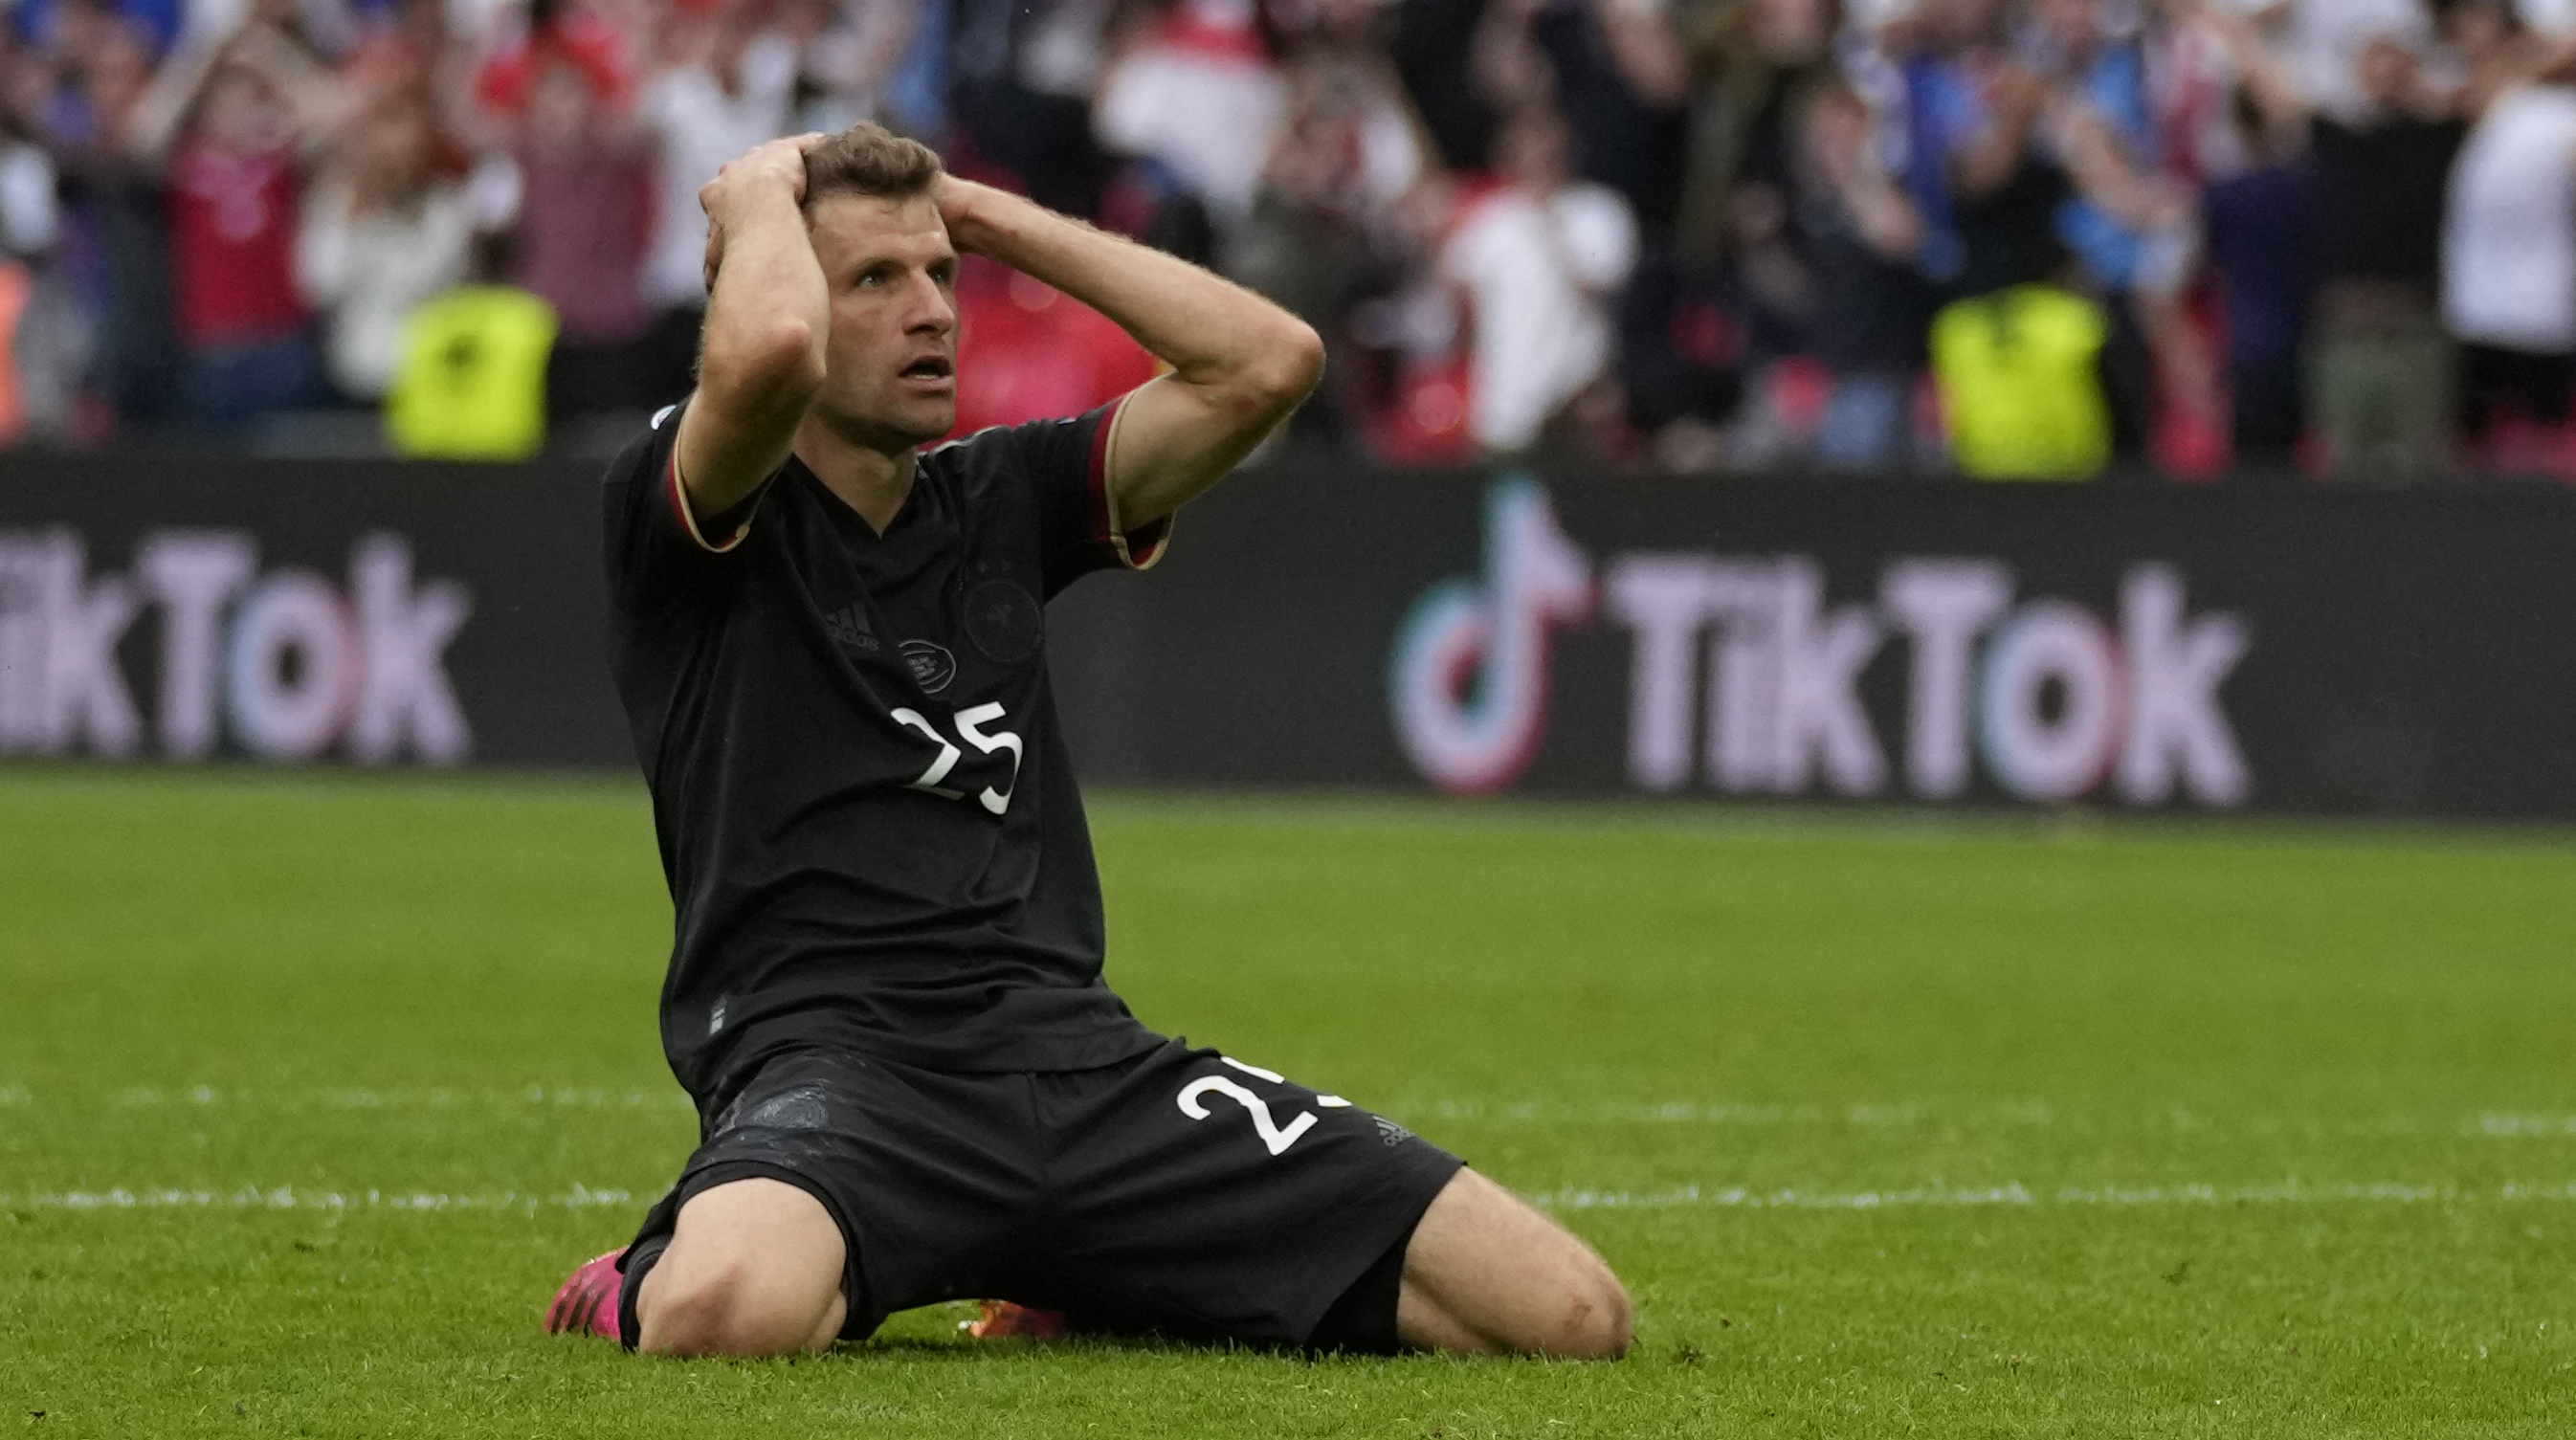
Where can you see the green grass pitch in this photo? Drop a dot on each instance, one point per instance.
(312, 1088)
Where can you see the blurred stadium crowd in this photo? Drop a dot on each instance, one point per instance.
(2018, 237)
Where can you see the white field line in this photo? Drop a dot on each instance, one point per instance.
(1688, 1112)
(350, 1098)
(2023, 1114)
(2510, 1125)
(2018, 1196)
(1896, 1115)
(288, 1197)
(2010, 1196)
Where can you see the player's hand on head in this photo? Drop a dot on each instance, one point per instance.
(764, 168)
(958, 201)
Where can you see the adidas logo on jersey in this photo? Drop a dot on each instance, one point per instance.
(848, 627)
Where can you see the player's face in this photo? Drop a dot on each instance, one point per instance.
(890, 364)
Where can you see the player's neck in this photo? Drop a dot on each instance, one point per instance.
(871, 481)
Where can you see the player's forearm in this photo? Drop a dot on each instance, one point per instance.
(1213, 333)
(769, 312)
(768, 317)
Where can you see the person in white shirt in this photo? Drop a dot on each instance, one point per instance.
(1539, 260)
(2324, 40)
(2509, 231)
(1198, 92)
(383, 232)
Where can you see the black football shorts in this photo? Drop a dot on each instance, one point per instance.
(1178, 1193)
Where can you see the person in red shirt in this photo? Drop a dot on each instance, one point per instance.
(585, 211)
(231, 119)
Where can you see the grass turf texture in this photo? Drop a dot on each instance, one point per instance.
(1893, 1124)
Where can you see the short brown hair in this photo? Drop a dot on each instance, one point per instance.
(868, 159)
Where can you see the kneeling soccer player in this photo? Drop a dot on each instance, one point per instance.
(885, 990)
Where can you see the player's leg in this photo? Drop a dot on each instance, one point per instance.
(1486, 1273)
(1199, 1197)
(753, 1269)
(827, 1191)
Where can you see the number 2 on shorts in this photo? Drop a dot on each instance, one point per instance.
(1272, 1134)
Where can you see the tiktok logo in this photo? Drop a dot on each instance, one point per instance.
(1746, 674)
(1470, 682)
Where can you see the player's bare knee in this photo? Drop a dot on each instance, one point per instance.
(1598, 1319)
(684, 1318)
(1594, 1319)
(1588, 1318)
(720, 1313)
(1586, 1315)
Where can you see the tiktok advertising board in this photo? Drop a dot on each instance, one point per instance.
(1744, 674)
(2138, 648)
(179, 609)
(2132, 648)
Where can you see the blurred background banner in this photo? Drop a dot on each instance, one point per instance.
(377, 613)
(2333, 652)
(2408, 652)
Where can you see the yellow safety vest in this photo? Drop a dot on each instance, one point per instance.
(473, 380)
(2018, 378)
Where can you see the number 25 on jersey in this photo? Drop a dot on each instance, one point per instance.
(970, 728)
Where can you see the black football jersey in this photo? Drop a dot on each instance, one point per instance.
(867, 816)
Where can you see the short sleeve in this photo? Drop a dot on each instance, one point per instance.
(657, 546)
(1063, 467)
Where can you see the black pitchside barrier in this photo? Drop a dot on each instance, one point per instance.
(2402, 653)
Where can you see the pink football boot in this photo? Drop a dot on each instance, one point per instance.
(587, 1303)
